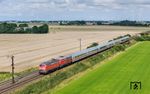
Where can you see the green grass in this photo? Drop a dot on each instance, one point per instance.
(114, 76)
(4, 76)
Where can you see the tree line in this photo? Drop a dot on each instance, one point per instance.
(129, 23)
(79, 22)
(13, 28)
(118, 23)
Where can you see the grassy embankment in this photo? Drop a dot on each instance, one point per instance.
(4, 76)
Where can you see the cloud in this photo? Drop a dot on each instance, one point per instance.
(46, 8)
(72, 4)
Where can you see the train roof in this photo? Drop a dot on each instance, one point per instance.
(97, 47)
(55, 60)
(82, 51)
(113, 41)
(52, 61)
(86, 50)
(63, 57)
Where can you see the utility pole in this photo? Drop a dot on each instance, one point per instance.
(80, 40)
(12, 58)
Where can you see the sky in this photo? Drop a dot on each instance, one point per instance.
(26, 10)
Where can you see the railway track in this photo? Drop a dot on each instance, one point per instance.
(7, 86)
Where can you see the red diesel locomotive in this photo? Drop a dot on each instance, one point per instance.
(54, 64)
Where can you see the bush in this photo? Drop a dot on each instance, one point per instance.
(23, 25)
(7, 27)
(93, 45)
(142, 37)
(43, 29)
(12, 28)
(119, 47)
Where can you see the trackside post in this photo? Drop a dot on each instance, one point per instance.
(12, 58)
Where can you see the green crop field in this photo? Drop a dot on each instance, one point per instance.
(114, 76)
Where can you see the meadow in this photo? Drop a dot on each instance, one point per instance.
(114, 76)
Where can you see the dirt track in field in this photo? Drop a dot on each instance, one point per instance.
(31, 49)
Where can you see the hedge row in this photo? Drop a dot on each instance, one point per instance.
(144, 36)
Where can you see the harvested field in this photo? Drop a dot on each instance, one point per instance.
(97, 28)
(31, 49)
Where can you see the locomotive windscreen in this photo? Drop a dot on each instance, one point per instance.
(52, 61)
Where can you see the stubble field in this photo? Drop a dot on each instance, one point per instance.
(32, 49)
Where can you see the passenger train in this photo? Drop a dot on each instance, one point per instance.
(62, 61)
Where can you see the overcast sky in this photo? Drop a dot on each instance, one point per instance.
(74, 10)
